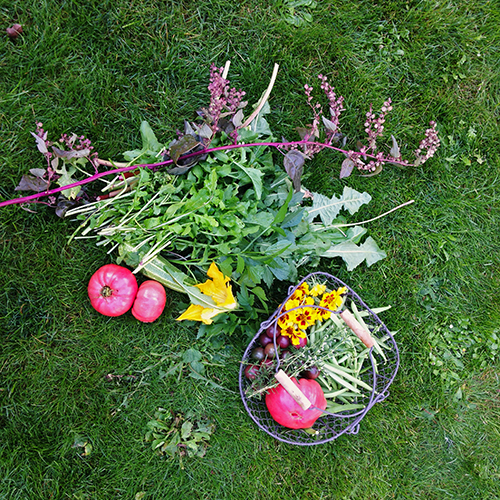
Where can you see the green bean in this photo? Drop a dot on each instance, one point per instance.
(337, 408)
(338, 371)
(343, 382)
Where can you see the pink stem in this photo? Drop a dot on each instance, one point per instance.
(278, 145)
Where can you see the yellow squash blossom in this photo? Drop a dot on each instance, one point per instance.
(219, 291)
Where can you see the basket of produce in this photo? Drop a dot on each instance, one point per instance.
(318, 364)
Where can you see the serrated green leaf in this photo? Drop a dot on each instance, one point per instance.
(255, 176)
(353, 255)
(353, 200)
(66, 179)
(324, 207)
(198, 367)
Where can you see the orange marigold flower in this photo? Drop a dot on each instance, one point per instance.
(304, 317)
(294, 333)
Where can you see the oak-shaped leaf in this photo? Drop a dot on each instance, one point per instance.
(33, 182)
(182, 146)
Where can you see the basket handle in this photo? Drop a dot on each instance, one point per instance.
(293, 390)
(357, 328)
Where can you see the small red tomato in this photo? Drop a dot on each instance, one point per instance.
(282, 341)
(112, 290)
(302, 343)
(264, 340)
(270, 350)
(272, 331)
(258, 354)
(251, 372)
(312, 373)
(150, 301)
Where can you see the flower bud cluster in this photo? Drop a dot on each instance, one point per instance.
(70, 142)
(335, 102)
(429, 144)
(313, 128)
(374, 126)
(222, 97)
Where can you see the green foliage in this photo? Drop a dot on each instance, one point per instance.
(453, 345)
(176, 435)
(292, 11)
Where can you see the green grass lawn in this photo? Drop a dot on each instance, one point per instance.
(70, 377)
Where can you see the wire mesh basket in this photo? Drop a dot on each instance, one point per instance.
(378, 374)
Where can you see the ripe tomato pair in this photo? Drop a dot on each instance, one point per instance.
(113, 291)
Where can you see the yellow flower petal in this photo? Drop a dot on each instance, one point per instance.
(195, 312)
(230, 302)
(318, 289)
(214, 273)
(219, 291)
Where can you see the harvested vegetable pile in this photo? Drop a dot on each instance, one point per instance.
(217, 197)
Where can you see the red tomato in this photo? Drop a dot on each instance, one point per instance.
(150, 301)
(112, 290)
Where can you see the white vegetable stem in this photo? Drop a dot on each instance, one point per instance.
(265, 97)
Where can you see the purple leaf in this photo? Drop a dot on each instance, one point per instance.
(329, 124)
(238, 118)
(346, 169)
(38, 172)
(294, 163)
(394, 152)
(40, 143)
(182, 146)
(70, 154)
(31, 183)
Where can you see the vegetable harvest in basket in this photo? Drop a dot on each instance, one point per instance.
(215, 195)
(320, 344)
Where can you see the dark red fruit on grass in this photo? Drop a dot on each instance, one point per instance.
(14, 31)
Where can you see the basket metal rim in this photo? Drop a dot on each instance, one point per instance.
(380, 396)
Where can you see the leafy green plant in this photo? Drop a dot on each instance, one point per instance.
(292, 11)
(451, 344)
(173, 434)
